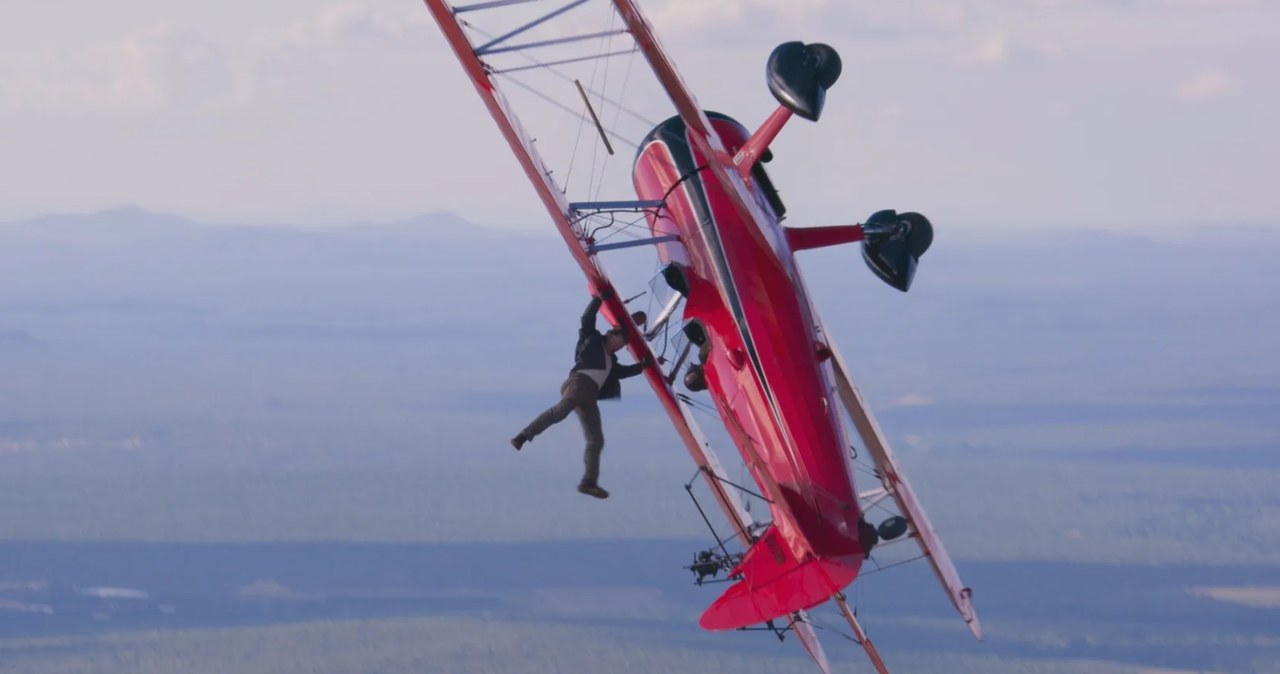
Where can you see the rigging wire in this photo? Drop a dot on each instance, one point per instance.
(628, 228)
(881, 506)
(596, 177)
(596, 180)
(595, 147)
(562, 106)
(827, 628)
(567, 78)
(886, 567)
(626, 78)
(573, 156)
(604, 86)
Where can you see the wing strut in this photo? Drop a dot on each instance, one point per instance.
(604, 137)
(594, 248)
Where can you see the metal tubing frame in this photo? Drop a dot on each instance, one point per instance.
(688, 487)
(561, 62)
(626, 205)
(551, 42)
(484, 48)
(594, 248)
(488, 5)
(664, 315)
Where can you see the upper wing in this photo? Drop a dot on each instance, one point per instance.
(900, 489)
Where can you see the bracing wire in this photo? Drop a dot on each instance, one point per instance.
(596, 179)
(562, 106)
(604, 87)
(567, 78)
(595, 147)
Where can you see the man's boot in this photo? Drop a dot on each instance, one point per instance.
(592, 489)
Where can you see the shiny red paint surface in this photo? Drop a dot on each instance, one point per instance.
(765, 370)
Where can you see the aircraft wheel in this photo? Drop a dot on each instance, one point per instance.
(868, 537)
(892, 528)
(695, 379)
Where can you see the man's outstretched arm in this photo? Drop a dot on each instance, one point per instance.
(625, 371)
(589, 316)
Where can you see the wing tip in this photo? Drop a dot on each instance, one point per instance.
(809, 639)
(975, 628)
(964, 603)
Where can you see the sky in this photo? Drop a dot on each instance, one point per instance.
(1145, 114)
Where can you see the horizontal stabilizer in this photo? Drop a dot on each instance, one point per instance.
(775, 584)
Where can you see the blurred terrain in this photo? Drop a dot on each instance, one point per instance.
(292, 443)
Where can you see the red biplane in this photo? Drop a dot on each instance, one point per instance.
(747, 336)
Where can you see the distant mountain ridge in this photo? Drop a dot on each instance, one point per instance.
(135, 221)
(132, 220)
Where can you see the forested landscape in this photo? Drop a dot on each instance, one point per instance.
(284, 449)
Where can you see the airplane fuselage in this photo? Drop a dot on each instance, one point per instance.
(766, 367)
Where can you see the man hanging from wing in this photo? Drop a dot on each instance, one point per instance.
(595, 376)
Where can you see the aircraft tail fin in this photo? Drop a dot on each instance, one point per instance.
(775, 584)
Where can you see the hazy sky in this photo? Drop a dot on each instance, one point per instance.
(1112, 113)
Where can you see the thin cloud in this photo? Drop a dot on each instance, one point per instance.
(681, 17)
(913, 400)
(990, 50)
(155, 69)
(352, 22)
(166, 68)
(1212, 4)
(1205, 84)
